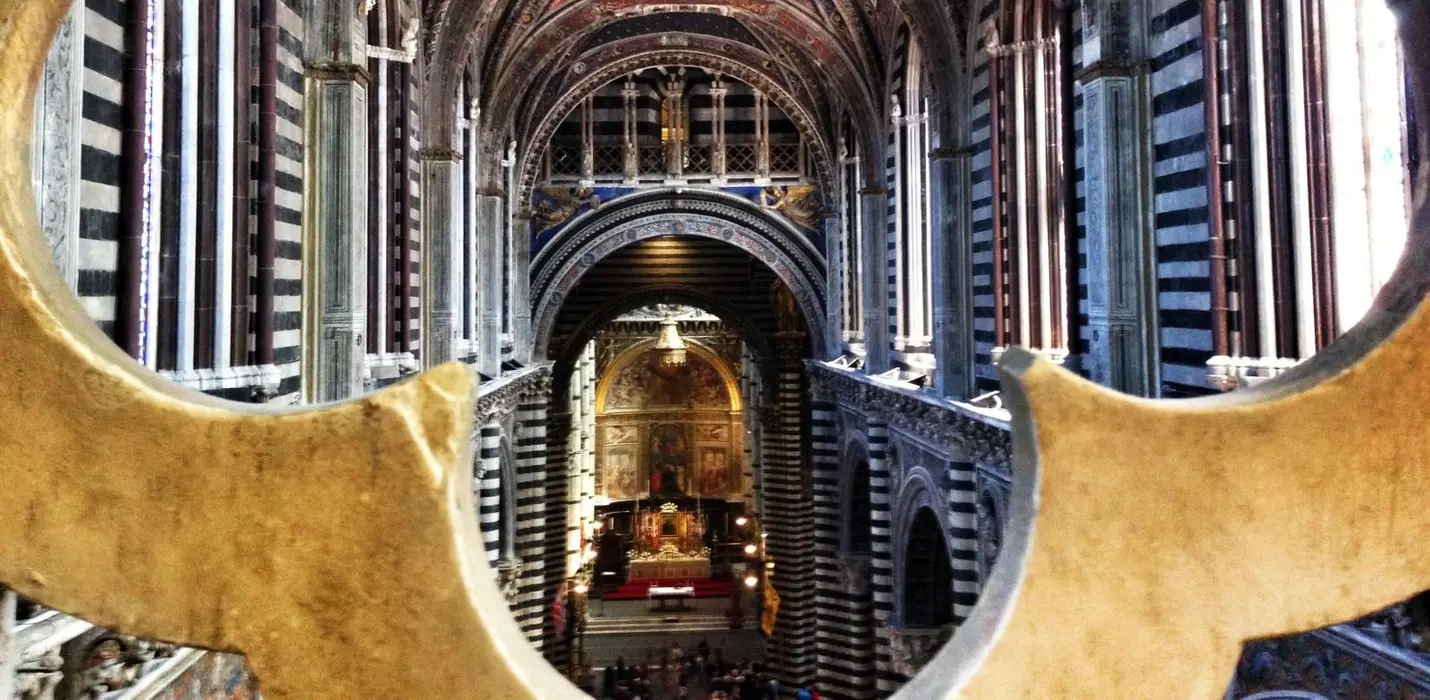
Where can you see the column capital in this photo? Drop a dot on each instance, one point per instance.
(1111, 69)
(945, 153)
(339, 71)
(440, 155)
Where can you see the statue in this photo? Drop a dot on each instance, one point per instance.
(409, 38)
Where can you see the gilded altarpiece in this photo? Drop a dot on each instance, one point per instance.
(668, 431)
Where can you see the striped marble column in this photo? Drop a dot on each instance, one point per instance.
(788, 525)
(882, 564)
(558, 438)
(489, 498)
(531, 514)
(961, 491)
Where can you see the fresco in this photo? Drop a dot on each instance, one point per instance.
(646, 383)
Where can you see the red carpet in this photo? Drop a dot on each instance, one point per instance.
(636, 589)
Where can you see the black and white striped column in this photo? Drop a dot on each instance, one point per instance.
(531, 514)
(961, 491)
(788, 525)
(558, 439)
(841, 629)
(489, 497)
(882, 564)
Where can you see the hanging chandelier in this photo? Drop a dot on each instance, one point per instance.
(669, 344)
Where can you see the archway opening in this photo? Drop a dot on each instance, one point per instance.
(928, 575)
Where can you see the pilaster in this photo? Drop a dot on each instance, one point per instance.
(834, 284)
(950, 182)
(337, 292)
(520, 310)
(441, 226)
(1118, 234)
(874, 210)
(490, 259)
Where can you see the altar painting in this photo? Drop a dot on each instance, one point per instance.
(715, 477)
(668, 458)
(622, 473)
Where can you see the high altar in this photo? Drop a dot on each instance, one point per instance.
(668, 544)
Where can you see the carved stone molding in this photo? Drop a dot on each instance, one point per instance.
(982, 443)
(501, 397)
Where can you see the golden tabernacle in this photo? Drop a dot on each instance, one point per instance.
(668, 545)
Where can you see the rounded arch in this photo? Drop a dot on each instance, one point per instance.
(638, 350)
(554, 281)
(918, 492)
(854, 462)
(927, 574)
(751, 336)
(800, 114)
(658, 201)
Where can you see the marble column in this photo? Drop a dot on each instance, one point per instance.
(489, 497)
(950, 181)
(491, 230)
(1119, 245)
(55, 173)
(522, 342)
(874, 210)
(441, 235)
(336, 293)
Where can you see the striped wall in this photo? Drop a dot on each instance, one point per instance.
(1180, 194)
(986, 377)
(105, 54)
(529, 609)
(1082, 335)
(102, 118)
(791, 542)
(413, 228)
(882, 564)
(288, 265)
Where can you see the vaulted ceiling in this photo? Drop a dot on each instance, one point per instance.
(534, 59)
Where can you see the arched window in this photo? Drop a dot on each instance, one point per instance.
(928, 574)
(860, 516)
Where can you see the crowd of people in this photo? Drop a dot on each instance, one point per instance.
(670, 672)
